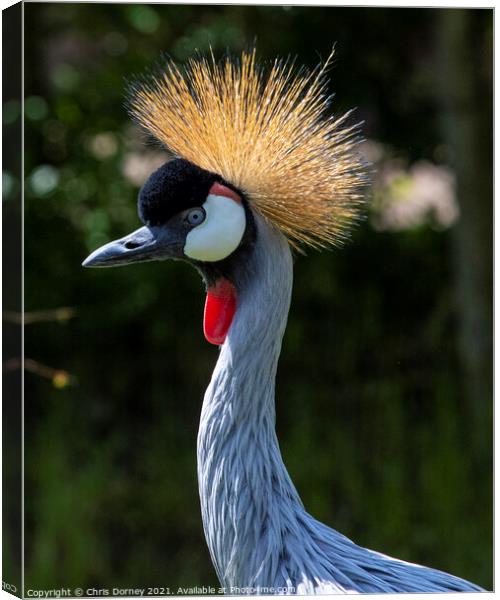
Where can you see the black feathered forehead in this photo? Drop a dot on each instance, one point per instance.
(175, 186)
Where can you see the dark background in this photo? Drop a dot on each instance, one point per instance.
(12, 301)
(385, 383)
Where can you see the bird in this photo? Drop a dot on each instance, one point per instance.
(259, 169)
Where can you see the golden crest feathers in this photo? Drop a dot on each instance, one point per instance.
(265, 132)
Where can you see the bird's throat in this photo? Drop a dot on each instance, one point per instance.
(220, 307)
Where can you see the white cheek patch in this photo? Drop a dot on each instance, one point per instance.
(220, 233)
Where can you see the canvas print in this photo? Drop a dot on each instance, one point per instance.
(286, 387)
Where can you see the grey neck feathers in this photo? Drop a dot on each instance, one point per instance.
(258, 533)
(241, 474)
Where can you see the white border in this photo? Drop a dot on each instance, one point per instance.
(319, 3)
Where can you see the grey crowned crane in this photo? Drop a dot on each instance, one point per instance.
(258, 168)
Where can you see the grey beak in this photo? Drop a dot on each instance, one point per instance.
(142, 245)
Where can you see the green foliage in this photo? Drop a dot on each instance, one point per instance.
(371, 410)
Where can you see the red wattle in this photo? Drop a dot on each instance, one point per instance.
(220, 307)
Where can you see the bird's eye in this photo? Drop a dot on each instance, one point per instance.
(196, 216)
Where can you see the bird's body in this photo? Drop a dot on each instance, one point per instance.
(259, 167)
(261, 538)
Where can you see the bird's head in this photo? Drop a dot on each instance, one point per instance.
(188, 214)
(249, 143)
(193, 215)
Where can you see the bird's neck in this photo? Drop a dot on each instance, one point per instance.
(241, 474)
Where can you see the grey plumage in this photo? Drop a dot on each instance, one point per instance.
(270, 144)
(261, 539)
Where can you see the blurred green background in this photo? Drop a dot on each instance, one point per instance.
(384, 395)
